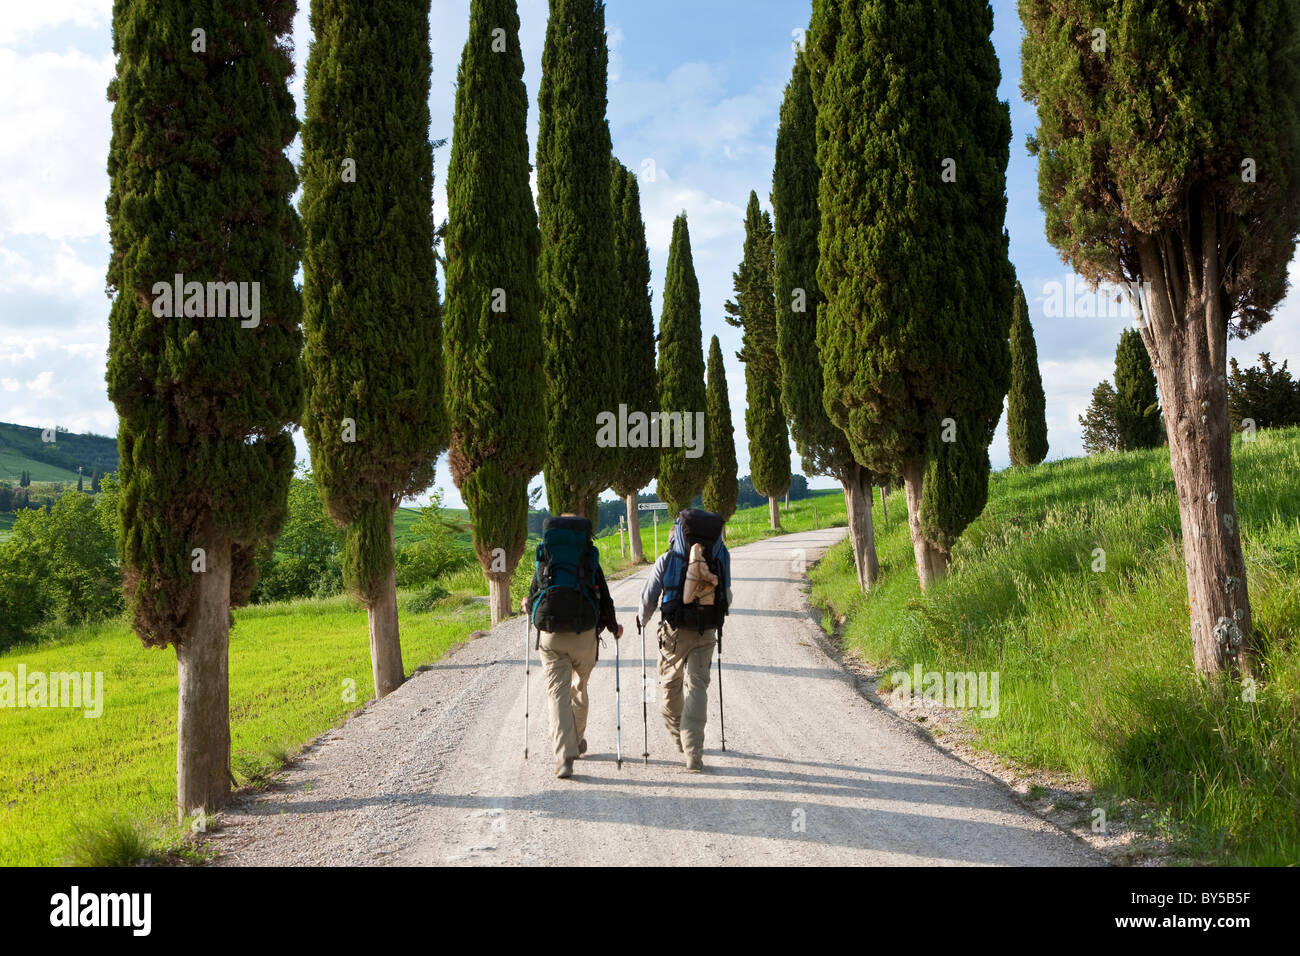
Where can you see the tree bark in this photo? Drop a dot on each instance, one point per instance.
(862, 532)
(774, 512)
(912, 477)
(385, 639)
(499, 596)
(203, 690)
(634, 530)
(939, 560)
(1186, 336)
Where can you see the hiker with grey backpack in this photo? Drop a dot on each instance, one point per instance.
(569, 604)
(691, 588)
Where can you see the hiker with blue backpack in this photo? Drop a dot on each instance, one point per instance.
(569, 603)
(691, 587)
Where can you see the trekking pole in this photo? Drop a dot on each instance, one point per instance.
(528, 659)
(722, 714)
(645, 720)
(618, 706)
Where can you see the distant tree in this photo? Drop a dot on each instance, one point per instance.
(681, 370)
(1026, 404)
(495, 385)
(1266, 394)
(1100, 422)
(307, 560)
(636, 336)
(722, 486)
(432, 549)
(579, 283)
(6, 496)
(79, 487)
(94, 482)
(754, 311)
(1137, 409)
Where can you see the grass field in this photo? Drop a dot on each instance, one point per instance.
(1096, 675)
(13, 463)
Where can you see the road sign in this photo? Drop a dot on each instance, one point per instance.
(652, 506)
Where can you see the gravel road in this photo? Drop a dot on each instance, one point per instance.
(813, 774)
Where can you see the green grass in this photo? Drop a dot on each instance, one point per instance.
(1096, 674)
(13, 463)
(99, 790)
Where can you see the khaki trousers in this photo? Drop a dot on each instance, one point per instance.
(685, 660)
(567, 661)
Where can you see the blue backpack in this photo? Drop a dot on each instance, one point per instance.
(567, 600)
(703, 528)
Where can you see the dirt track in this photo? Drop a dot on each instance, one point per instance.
(813, 773)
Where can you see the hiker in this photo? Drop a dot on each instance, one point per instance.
(569, 603)
(691, 586)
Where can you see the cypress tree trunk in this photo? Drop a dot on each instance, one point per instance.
(912, 474)
(774, 512)
(385, 639)
(499, 596)
(862, 532)
(203, 686)
(634, 530)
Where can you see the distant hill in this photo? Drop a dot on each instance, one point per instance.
(23, 449)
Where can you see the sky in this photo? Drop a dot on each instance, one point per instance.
(695, 91)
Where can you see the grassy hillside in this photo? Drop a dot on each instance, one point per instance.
(13, 463)
(22, 448)
(1096, 675)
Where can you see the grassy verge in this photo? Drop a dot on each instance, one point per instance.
(103, 790)
(1096, 676)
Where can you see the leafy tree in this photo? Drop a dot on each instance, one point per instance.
(1137, 409)
(754, 310)
(1264, 394)
(1101, 421)
(308, 557)
(200, 186)
(636, 336)
(375, 420)
(1026, 403)
(495, 385)
(681, 370)
(722, 485)
(433, 550)
(579, 280)
(6, 496)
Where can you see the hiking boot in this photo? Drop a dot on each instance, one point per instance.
(565, 770)
(695, 763)
(582, 746)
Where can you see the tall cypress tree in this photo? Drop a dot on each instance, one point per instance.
(754, 310)
(824, 448)
(681, 372)
(913, 335)
(636, 341)
(491, 318)
(204, 398)
(722, 487)
(579, 282)
(375, 420)
(1026, 404)
(1137, 408)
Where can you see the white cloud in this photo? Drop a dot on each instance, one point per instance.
(22, 20)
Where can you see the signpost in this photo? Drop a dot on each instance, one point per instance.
(656, 507)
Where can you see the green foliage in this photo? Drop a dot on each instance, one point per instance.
(370, 293)
(307, 560)
(579, 281)
(754, 310)
(681, 369)
(432, 551)
(955, 486)
(721, 486)
(636, 329)
(1100, 421)
(204, 404)
(495, 387)
(1266, 394)
(1026, 403)
(1137, 409)
(915, 323)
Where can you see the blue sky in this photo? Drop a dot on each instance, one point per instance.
(695, 89)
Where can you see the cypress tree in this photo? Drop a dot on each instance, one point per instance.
(913, 334)
(822, 446)
(375, 419)
(1169, 162)
(1026, 404)
(681, 373)
(636, 341)
(579, 283)
(1137, 408)
(204, 401)
(722, 487)
(491, 318)
(1100, 430)
(754, 310)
